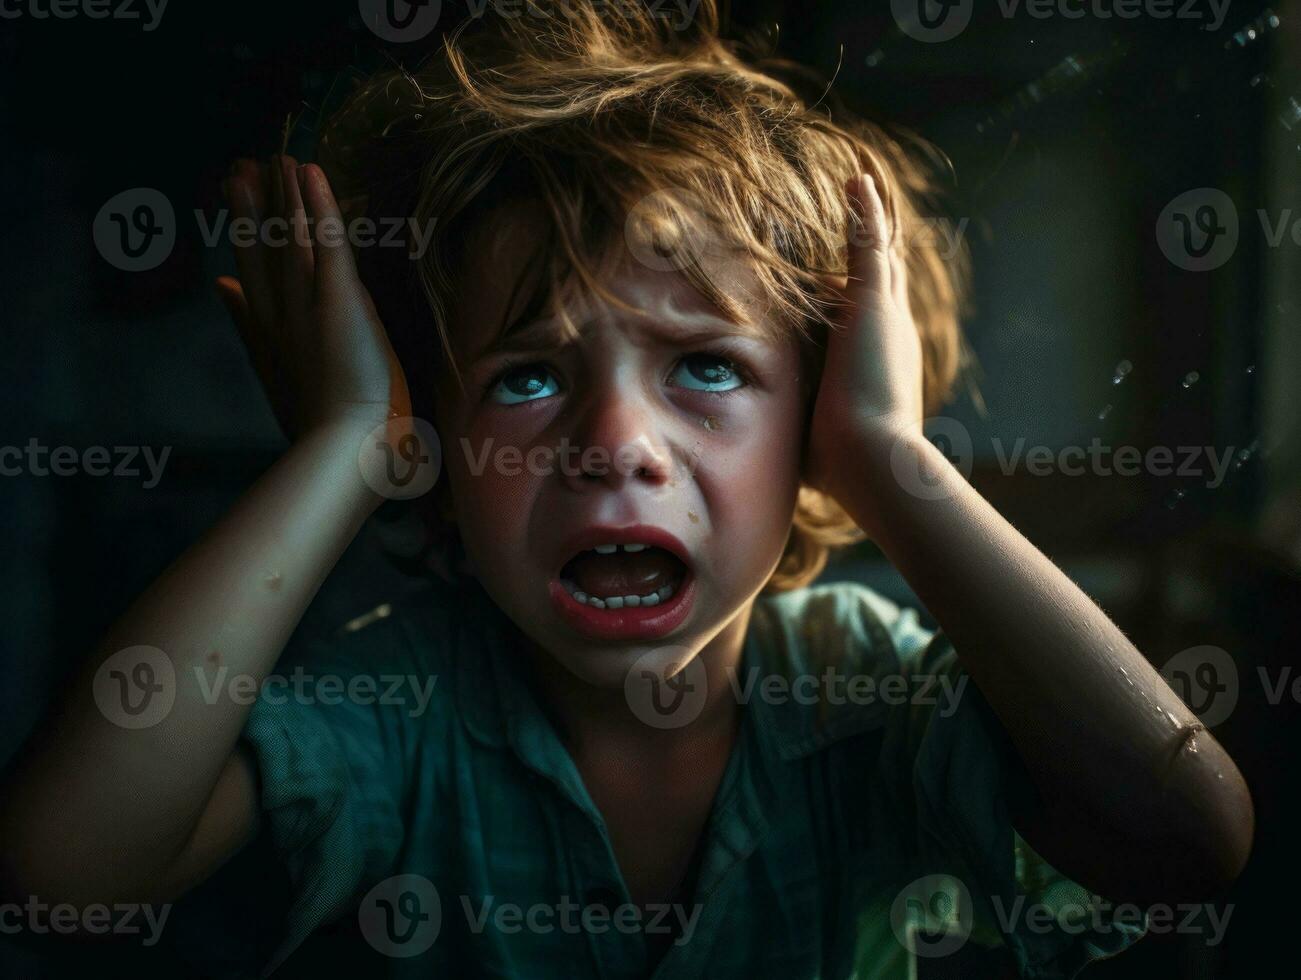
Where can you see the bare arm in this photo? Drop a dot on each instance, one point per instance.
(1133, 797)
(96, 810)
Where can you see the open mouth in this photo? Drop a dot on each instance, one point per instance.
(625, 589)
(619, 576)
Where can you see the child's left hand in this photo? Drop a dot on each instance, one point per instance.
(871, 386)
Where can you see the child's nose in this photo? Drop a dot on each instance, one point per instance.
(617, 441)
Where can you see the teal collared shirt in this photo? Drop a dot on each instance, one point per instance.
(423, 805)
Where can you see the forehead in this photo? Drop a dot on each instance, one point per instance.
(503, 296)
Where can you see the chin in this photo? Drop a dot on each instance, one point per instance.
(608, 667)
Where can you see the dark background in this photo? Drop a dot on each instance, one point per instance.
(1068, 137)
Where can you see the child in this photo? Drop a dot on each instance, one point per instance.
(676, 330)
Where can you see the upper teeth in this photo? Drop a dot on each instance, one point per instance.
(609, 549)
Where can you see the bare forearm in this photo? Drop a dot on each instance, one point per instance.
(1107, 743)
(94, 805)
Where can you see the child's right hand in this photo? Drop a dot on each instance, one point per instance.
(309, 324)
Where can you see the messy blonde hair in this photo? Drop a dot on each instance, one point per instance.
(594, 111)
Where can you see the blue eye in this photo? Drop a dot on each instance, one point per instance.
(706, 372)
(524, 384)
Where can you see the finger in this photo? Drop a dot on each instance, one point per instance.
(276, 186)
(335, 268)
(247, 197)
(899, 272)
(869, 244)
(296, 262)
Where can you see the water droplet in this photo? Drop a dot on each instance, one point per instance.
(1244, 456)
(1190, 379)
(1106, 410)
(1291, 114)
(1122, 371)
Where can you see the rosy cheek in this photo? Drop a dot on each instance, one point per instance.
(755, 473)
(491, 461)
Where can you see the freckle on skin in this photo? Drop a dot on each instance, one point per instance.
(273, 581)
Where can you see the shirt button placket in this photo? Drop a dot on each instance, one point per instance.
(616, 953)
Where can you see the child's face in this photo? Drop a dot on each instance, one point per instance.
(673, 419)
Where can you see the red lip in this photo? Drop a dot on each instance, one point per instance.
(629, 623)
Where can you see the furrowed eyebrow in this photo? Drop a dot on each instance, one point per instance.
(532, 331)
(528, 335)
